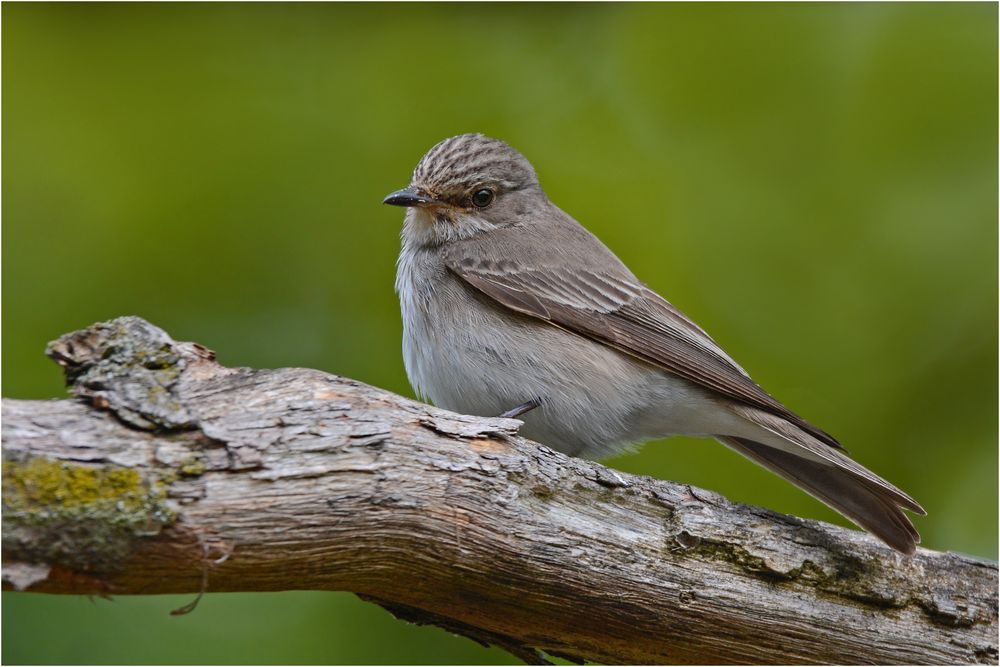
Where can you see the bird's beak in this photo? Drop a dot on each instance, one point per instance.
(411, 196)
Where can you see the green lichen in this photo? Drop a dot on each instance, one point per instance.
(847, 580)
(739, 556)
(87, 518)
(164, 478)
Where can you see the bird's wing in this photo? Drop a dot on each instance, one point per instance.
(611, 307)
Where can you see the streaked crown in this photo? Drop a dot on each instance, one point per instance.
(468, 160)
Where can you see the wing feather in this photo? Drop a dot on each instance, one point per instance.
(613, 308)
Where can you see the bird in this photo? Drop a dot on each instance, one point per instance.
(511, 307)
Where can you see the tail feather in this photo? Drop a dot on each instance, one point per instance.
(783, 435)
(870, 505)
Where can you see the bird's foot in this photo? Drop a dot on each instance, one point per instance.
(514, 413)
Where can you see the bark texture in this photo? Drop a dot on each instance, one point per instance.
(175, 474)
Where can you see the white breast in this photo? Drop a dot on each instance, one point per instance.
(416, 279)
(468, 355)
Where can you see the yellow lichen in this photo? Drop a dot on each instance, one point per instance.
(86, 517)
(40, 482)
(193, 466)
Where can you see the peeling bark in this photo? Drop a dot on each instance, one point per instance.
(171, 473)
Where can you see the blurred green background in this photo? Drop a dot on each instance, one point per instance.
(815, 184)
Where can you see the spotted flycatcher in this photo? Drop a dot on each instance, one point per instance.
(511, 307)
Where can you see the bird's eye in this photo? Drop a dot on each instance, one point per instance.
(483, 198)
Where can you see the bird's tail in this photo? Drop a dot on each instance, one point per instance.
(876, 507)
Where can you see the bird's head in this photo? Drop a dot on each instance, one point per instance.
(466, 185)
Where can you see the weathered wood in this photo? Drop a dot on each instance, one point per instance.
(174, 472)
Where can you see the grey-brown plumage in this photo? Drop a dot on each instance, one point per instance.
(507, 300)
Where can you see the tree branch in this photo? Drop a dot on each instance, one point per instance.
(175, 474)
